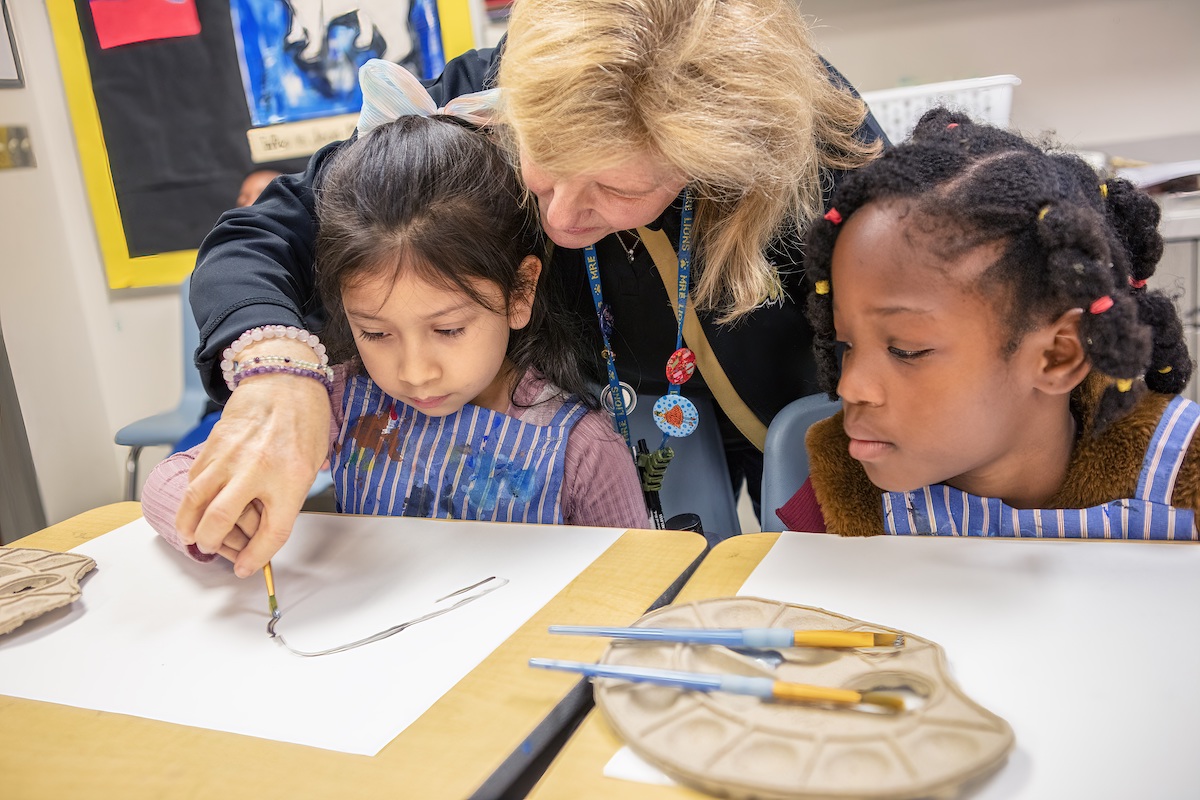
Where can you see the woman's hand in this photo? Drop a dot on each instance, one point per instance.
(258, 464)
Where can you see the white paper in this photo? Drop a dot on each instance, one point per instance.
(627, 765)
(156, 635)
(1090, 650)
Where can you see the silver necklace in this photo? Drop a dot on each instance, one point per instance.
(630, 249)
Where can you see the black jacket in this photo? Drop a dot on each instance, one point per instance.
(256, 268)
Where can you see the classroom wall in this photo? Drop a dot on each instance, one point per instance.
(87, 360)
(1115, 75)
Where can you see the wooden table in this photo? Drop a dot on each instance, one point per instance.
(477, 739)
(1089, 649)
(577, 772)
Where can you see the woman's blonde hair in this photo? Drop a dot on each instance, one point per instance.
(729, 93)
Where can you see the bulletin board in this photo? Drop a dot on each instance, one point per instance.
(161, 111)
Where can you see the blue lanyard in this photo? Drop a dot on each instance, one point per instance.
(685, 271)
(620, 416)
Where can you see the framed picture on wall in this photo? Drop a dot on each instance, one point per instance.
(10, 62)
(165, 126)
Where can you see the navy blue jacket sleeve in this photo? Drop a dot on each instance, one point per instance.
(256, 266)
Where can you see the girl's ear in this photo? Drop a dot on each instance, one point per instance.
(520, 305)
(1063, 363)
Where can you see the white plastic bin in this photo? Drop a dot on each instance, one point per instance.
(984, 99)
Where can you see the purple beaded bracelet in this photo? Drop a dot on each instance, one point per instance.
(269, 368)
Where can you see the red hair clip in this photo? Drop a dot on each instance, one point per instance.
(1138, 284)
(952, 125)
(1101, 304)
(833, 216)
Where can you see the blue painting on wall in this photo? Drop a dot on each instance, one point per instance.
(300, 58)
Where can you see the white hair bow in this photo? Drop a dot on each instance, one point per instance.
(390, 92)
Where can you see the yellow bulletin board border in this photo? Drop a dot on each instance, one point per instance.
(125, 271)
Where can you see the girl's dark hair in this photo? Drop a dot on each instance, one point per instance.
(1067, 238)
(436, 196)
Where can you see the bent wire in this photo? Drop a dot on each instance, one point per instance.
(465, 595)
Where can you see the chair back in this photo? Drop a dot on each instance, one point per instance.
(697, 479)
(785, 458)
(193, 386)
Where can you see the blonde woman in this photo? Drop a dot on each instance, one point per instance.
(617, 112)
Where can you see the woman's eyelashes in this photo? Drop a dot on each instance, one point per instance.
(371, 336)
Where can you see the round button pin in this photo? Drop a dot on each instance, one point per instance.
(675, 415)
(681, 365)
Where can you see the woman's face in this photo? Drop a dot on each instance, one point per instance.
(582, 209)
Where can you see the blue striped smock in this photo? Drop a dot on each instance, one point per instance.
(944, 511)
(479, 464)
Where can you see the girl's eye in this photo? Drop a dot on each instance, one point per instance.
(908, 355)
(371, 336)
(450, 332)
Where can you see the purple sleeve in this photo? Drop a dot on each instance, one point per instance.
(162, 496)
(163, 493)
(600, 482)
(802, 512)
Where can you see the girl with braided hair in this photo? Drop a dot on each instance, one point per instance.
(980, 307)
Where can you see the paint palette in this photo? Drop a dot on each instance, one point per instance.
(33, 582)
(741, 747)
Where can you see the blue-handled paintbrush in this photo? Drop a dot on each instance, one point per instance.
(741, 637)
(766, 688)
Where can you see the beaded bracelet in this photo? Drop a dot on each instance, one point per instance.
(294, 362)
(229, 356)
(325, 380)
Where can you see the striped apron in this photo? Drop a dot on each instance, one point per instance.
(392, 460)
(944, 511)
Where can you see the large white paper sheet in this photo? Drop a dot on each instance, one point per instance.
(1090, 649)
(158, 636)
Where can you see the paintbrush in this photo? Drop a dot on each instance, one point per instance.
(765, 688)
(271, 602)
(741, 637)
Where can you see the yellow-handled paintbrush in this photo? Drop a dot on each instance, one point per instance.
(741, 637)
(271, 602)
(766, 688)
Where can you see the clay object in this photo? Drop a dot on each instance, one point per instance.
(33, 582)
(741, 747)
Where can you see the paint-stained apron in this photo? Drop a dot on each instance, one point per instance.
(477, 464)
(944, 511)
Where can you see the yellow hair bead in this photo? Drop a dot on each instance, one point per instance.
(1042, 214)
(1124, 384)
(822, 287)
(1104, 190)
(1165, 370)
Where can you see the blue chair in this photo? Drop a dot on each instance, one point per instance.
(785, 458)
(170, 427)
(697, 479)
